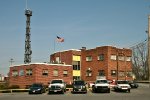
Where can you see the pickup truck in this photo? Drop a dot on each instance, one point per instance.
(101, 85)
(57, 86)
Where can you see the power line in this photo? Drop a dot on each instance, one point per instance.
(139, 44)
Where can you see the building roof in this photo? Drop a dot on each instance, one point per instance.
(69, 50)
(41, 64)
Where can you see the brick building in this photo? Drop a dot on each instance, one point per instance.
(88, 65)
(71, 57)
(106, 61)
(25, 75)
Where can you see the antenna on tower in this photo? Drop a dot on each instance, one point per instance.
(26, 4)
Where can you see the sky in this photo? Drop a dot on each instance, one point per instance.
(82, 23)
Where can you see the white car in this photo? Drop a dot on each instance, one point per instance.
(101, 85)
(122, 85)
(57, 85)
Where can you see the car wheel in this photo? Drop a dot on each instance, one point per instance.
(108, 91)
(62, 92)
(129, 90)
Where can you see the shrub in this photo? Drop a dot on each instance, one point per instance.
(14, 87)
(2, 87)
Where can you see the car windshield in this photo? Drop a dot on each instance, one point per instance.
(56, 81)
(122, 82)
(101, 81)
(78, 82)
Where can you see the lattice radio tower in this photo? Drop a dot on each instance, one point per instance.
(28, 51)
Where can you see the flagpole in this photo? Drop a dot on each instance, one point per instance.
(59, 39)
(54, 45)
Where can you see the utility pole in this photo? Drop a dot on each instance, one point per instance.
(149, 47)
(117, 54)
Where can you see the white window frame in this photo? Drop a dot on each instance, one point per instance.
(45, 72)
(28, 72)
(21, 72)
(88, 58)
(55, 72)
(113, 57)
(14, 73)
(100, 57)
(128, 58)
(121, 58)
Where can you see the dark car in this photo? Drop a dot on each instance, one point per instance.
(79, 86)
(133, 84)
(37, 88)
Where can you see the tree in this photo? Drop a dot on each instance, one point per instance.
(139, 61)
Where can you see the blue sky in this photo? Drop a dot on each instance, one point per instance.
(89, 23)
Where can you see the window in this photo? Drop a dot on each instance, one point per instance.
(28, 72)
(113, 57)
(101, 57)
(65, 73)
(121, 58)
(76, 77)
(45, 72)
(89, 58)
(55, 72)
(88, 72)
(14, 73)
(57, 60)
(121, 73)
(76, 65)
(113, 72)
(76, 58)
(101, 73)
(21, 72)
(128, 58)
(129, 73)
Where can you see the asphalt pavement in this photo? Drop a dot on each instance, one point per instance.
(141, 93)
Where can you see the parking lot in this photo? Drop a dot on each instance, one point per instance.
(142, 93)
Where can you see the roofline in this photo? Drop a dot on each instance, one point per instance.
(41, 64)
(68, 50)
(108, 46)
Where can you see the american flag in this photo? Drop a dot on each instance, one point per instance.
(59, 39)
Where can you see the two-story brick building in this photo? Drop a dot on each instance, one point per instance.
(27, 74)
(86, 64)
(106, 61)
(71, 57)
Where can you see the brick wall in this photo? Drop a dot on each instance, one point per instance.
(37, 77)
(107, 64)
(65, 56)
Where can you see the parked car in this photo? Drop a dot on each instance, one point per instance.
(101, 85)
(37, 88)
(122, 85)
(111, 83)
(133, 84)
(57, 86)
(79, 86)
(90, 84)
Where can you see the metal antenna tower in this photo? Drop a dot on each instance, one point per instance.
(28, 51)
